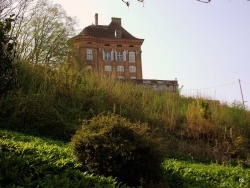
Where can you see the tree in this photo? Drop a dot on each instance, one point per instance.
(8, 79)
(16, 7)
(42, 38)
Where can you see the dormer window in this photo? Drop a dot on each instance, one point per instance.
(118, 34)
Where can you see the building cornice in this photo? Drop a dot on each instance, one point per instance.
(105, 40)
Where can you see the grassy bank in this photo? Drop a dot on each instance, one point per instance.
(53, 103)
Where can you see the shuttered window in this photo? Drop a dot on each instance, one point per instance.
(108, 55)
(119, 56)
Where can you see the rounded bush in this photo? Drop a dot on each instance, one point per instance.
(113, 146)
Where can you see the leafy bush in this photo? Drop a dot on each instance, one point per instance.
(113, 146)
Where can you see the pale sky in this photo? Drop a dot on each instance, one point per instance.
(205, 46)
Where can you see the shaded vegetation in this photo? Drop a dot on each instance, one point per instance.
(7, 55)
(27, 161)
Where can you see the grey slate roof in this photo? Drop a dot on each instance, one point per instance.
(106, 31)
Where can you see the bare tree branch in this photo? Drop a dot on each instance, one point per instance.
(208, 1)
(128, 3)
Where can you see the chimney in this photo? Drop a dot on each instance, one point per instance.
(117, 20)
(96, 19)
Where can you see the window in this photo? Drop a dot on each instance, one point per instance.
(132, 68)
(131, 56)
(89, 54)
(133, 78)
(118, 34)
(107, 56)
(119, 56)
(120, 77)
(120, 68)
(108, 68)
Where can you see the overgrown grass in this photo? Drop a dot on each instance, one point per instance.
(28, 161)
(53, 103)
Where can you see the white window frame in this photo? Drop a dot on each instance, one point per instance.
(132, 68)
(107, 56)
(89, 53)
(120, 68)
(119, 56)
(118, 33)
(131, 57)
(108, 68)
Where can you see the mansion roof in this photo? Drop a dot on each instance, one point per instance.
(107, 31)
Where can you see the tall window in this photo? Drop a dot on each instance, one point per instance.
(120, 68)
(107, 56)
(107, 68)
(132, 68)
(131, 56)
(119, 56)
(89, 54)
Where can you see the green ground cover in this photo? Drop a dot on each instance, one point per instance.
(28, 161)
(191, 174)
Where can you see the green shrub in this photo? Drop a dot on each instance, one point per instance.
(113, 146)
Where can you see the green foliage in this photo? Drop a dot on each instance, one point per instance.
(8, 73)
(113, 146)
(192, 174)
(27, 161)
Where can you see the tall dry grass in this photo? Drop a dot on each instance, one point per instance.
(53, 102)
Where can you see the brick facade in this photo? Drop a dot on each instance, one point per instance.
(110, 50)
